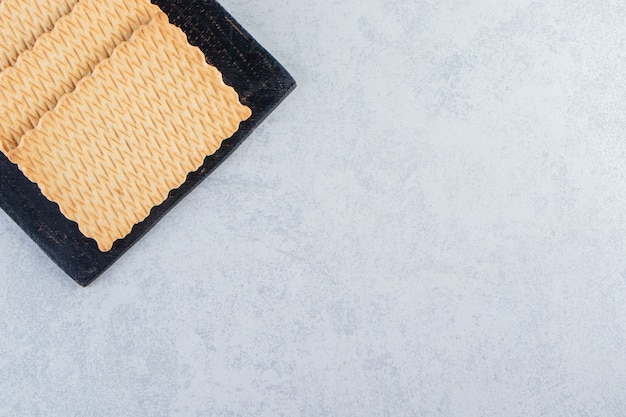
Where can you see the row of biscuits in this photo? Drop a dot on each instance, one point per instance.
(110, 110)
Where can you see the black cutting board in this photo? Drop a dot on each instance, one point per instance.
(262, 83)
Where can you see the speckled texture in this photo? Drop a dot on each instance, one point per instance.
(433, 224)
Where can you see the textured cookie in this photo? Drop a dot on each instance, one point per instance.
(23, 21)
(131, 132)
(61, 57)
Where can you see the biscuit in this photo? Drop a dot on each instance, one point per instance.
(61, 57)
(130, 132)
(23, 21)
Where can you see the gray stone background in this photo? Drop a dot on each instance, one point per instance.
(433, 224)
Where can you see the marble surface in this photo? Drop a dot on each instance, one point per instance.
(433, 224)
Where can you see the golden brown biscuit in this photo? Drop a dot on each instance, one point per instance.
(61, 57)
(130, 132)
(23, 21)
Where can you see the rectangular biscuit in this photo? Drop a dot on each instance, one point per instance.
(131, 132)
(61, 57)
(23, 21)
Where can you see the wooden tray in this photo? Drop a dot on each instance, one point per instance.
(262, 83)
